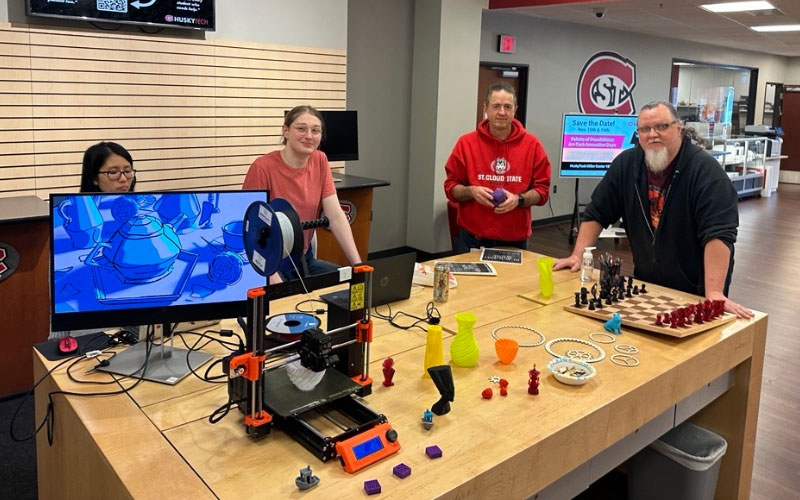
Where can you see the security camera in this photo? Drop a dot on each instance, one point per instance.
(599, 13)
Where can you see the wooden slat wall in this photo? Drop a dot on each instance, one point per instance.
(193, 113)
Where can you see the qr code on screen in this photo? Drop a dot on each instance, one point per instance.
(112, 5)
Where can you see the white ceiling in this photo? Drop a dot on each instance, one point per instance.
(680, 19)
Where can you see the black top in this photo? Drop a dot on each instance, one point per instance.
(355, 182)
(700, 205)
(23, 209)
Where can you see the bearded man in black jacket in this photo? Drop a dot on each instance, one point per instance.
(678, 207)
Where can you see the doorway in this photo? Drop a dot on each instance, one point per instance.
(515, 75)
(790, 123)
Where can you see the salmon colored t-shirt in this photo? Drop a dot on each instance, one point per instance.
(303, 187)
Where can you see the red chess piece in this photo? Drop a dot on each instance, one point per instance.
(658, 320)
(533, 381)
(388, 372)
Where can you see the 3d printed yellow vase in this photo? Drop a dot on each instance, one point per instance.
(433, 348)
(545, 276)
(464, 349)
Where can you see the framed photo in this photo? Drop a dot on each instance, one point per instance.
(504, 256)
(474, 268)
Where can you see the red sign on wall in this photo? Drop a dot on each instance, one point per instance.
(506, 44)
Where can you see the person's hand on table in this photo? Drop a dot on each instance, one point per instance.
(573, 263)
(732, 307)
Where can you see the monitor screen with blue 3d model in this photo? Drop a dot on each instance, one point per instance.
(149, 258)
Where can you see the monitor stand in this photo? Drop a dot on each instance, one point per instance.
(166, 364)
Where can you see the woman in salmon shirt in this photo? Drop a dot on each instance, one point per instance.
(299, 173)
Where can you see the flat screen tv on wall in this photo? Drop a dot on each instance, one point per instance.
(188, 14)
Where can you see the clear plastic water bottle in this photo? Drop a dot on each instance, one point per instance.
(587, 267)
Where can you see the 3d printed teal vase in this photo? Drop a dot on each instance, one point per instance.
(464, 349)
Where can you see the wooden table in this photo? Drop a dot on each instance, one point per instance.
(157, 439)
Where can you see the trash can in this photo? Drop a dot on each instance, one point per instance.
(683, 463)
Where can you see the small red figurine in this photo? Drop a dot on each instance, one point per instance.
(487, 393)
(533, 381)
(388, 372)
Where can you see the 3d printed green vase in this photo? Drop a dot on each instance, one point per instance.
(545, 276)
(464, 349)
(433, 348)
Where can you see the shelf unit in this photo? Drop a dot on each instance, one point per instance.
(743, 159)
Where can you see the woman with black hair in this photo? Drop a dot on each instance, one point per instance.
(107, 168)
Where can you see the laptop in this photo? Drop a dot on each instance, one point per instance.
(391, 281)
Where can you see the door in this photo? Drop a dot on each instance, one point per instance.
(790, 122)
(514, 75)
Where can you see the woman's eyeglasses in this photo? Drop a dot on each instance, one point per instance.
(114, 173)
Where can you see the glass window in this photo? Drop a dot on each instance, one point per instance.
(716, 100)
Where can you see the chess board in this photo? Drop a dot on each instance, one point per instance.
(640, 311)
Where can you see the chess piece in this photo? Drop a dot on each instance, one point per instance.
(533, 381)
(388, 372)
(628, 293)
(594, 291)
(584, 295)
(599, 303)
(642, 290)
(658, 320)
(636, 289)
(578, 299)
(609, 301)
(591, 305)
(630, 281)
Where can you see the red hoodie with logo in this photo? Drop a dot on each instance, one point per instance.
(517, 164)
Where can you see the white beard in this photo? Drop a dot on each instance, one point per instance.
(656, 159)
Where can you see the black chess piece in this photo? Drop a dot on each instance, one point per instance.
(442, 377)
(577, 299)
(608, 300)
(594, 291)
(628, 293)
(591, 305)
(636, 289)
(642, 290)
(584, 295)
(599, 303)
(615, 296)
(630, 281)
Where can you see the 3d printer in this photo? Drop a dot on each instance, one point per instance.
(327, 419)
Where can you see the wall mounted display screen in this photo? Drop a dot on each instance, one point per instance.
(149, 258)
(190, 14)
(589, 143)
(340, 142)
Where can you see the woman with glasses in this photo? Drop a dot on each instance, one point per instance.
(107, 168)
(300, 174)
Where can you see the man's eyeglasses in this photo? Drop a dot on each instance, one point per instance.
(661, 127)
(114, 174)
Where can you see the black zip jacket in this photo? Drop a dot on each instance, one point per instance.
(700, 205)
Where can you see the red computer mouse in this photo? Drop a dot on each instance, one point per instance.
(68, 345)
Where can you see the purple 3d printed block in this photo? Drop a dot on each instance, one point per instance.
(498, 196)
(401, 470)
(433, 451)
(372, 487)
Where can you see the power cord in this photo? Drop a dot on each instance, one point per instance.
(432, 317)
(311, 310)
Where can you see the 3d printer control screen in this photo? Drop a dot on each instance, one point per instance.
(133, 250)
(367, 448)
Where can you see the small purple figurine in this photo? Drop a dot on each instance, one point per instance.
(401, 470)
(498, 196)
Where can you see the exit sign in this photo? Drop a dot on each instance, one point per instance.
(506, 44)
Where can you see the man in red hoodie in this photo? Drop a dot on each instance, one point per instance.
(495, 174)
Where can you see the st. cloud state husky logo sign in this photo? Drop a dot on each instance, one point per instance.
(9, 260)
(606, 85)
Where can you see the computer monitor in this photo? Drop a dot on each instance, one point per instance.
(154, 258)
(590, 142)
